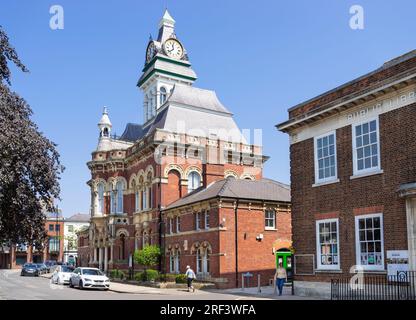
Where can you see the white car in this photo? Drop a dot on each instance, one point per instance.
(84, 278)
(61, 275)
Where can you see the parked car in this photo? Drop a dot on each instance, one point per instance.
(61, 275)
(84, 278)
(50, 264)
(42, 268)
(30, 269)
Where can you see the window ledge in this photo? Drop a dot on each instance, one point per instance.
(328, 270)
(318, 184)
(366, 174)
(371, 271)
(270, 229)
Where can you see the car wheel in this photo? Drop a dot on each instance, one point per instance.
(81, 285)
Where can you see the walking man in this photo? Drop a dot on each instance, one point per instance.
(190, 276)
(281, 277)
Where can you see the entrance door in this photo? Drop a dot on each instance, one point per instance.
(411, 232)
(284, 256)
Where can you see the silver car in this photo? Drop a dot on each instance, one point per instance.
(85, 278)
(61, 275)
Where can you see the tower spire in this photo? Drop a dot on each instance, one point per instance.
(166, 27)
(105, 124)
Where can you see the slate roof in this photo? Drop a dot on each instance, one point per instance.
(197, 97)
(79, 217)
(265, 189)
(133, 132)
(198, 110)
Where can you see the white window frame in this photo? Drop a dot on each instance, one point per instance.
(144, 198)
(357, 172)
(119, 197)
(137, 200)
(198, 221)
(315, 151)
(275, 219)
(170, 225)
(358, 247)
(177, 262)
(172, 262)
(206, 219)
(319, 264)
(190, 180)
(178, 224)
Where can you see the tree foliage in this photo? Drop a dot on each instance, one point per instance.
(29, 163)
(148, 256)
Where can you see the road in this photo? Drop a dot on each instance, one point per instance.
(15, 287)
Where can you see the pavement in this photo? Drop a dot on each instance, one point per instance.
(15, 287)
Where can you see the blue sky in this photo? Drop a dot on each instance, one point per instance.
(261, 57)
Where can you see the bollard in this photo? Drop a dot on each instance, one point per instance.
(258, 284)
(242, 281)
(274, 285)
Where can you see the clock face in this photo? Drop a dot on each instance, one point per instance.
(151, 51)
(173, 48)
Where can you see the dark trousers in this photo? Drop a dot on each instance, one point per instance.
(280, 284)
(189, 280)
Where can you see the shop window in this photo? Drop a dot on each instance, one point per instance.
(369, 241)
(327, 238)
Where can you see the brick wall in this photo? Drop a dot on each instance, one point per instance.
(253, 256)
(377, 193)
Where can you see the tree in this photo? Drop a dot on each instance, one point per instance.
(29, 163)
(147, 257)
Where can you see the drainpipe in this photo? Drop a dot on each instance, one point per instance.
(236, 240)
(162, 230)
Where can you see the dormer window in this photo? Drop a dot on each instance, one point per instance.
(163, 95)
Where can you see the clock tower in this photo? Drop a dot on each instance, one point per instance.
(166, 64)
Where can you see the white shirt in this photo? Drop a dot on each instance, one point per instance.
(190, 273)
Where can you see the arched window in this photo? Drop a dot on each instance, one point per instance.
(119, 191)
(100, 190)
(144, 198)
(113, 201)
(194, 181)
(171, 262)
(105, 132)
(174, 261)
(202, 260)
(206, 261)
(136, 200)
(149, 190)
(163, 95)
(198, 261)
(122, 247)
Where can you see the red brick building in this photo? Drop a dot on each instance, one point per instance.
(353, 176)
(83, 247)
(16, 255)
(188, 141)
(229, 228)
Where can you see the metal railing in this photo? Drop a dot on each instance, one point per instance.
(401, 286)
